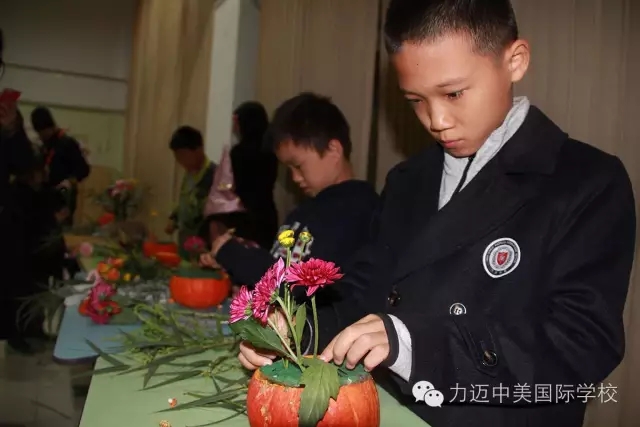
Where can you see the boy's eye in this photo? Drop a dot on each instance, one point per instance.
(455, 95)
(413, 100)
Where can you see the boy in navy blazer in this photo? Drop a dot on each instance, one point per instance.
(498, 265)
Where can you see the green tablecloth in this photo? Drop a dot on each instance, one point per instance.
(119, 400)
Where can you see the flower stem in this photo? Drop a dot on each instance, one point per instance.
(315, 326)
(291, 327)
(286, 345)
(287, 289)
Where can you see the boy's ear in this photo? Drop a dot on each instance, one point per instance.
(335, 148)
(518, 57)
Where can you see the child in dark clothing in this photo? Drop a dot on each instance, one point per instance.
(255, 170)
(309, 135)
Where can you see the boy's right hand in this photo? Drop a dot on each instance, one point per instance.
(253, 358)
(171, 227)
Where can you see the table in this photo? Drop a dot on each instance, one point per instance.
(71, 345)
(118, 400)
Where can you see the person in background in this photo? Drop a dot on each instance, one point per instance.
(225, 211)
(310, 135)
(65, 163)
(16, 157)
(188, 149)
(255, 170)
(43, 212)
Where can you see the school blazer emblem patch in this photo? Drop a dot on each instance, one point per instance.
(501, 257)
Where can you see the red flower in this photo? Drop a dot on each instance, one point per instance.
(240, 308)
(313, 274)
(266, 291)
(101, 291)
(106, 218)
(194, 244)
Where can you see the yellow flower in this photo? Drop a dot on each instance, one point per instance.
(127, 277)
(305, 237)
(286, 238)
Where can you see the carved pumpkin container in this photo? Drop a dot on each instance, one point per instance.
(274, 393)
(199, 288)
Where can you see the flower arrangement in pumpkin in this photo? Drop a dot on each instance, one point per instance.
(99, 305)
(120, 199)
(255, 316)
(103, 302)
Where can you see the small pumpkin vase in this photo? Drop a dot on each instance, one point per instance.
(270, 404)
(199, 290)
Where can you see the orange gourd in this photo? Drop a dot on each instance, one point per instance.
(151, 248)
(168, 259)
(199, 292)
(275, 405)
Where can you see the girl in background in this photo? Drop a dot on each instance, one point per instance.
(255, 170)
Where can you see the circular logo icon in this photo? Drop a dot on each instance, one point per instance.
(457, 309)
(501, 257)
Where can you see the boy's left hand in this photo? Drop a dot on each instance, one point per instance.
(367, 337)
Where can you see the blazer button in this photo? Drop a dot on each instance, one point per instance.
(489, 358)
(394, 298)
(457, 309)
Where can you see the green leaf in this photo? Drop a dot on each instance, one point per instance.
(109, 370)
(126, 317)
(105, 356)
(147, 376)
(180, 377)
(259, 336)
(301, 320)
(321, 383)
(209, 400)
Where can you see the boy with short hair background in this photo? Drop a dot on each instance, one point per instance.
(188, 149)
(501, 256)
(310, 135)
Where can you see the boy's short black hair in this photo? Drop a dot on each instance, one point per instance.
(490, 24)
(186, 137)
(41, 119)
(309, 120)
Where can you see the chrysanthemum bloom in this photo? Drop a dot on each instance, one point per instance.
(314, 273)
(266, 291)
(240, 308)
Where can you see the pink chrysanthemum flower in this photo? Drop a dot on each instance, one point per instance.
(240, 308)
(266, 291)
(314, 273)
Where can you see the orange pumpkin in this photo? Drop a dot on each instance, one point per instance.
(274, 405)
(168, 259)
(151, 248)
(199, 292)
